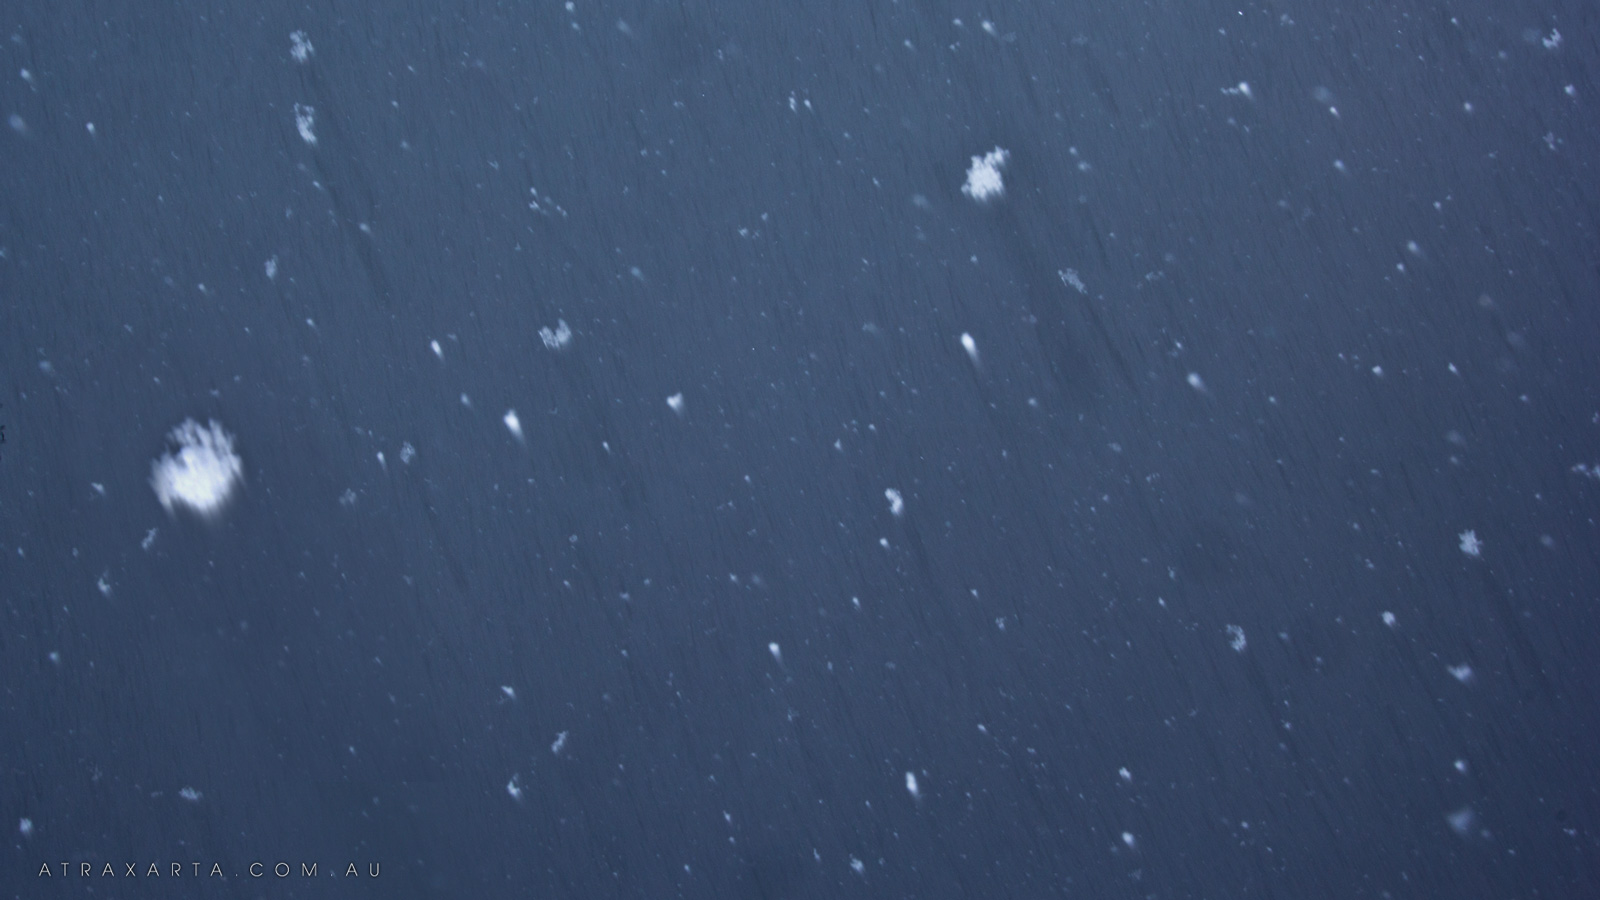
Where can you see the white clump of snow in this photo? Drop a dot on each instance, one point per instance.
(300, 47)
(200, 470)
(1587, 471)
(911, 786)
(1461, 673)
(1388, 618)
(514, 789)
(560, 337)
(776, 651)
(1242, 89)
(897, 503)
(305, 118)
(509, 691)
(983, 176)
(676, 402)
(557, 745)
(513, 424)
(25, 827)
(437, 350)
(1236, 638)
(1131, 841)
(1070, 278)
(190, 794)
(969, 344)
(1470, 545)
(1125, 775)
(1196, 382)
(271, 267)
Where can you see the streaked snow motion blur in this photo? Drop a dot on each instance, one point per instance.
(513, 423)
(200, 470)
(558, 338)
(971, 346)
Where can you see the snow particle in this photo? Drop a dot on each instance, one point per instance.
(971, 346)
(300, 47)
(911, 786)
(200, 470)
(560, 337)
(557, 745)
(305, 118)
(983, 177)
(513, 424)
(1470, 545)
(1236, 638)
(190, 794)
(897, 504)
(1462, 820)
(676, 402)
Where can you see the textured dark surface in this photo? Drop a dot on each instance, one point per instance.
(758, 205)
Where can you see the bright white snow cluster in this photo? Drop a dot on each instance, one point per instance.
(983, 177)
(199, 471)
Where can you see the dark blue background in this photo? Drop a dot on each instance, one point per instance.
(762, 211)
